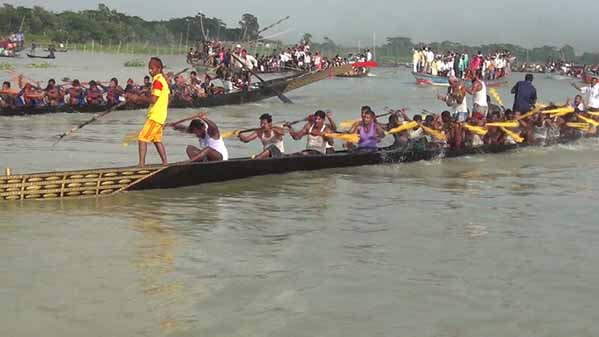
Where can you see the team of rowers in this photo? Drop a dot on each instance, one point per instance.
(78, 93)
(529, 122)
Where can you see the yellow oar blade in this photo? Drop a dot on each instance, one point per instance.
(347, 137)
(348, 124)
(476, 129)
(516, 137)
(582, 126)
(130, 138)
(559, 111)
(402, 128)
(229, 134)
(496, 96)
(508, 124)
(589, 120)
(435, 133)
(531, 113)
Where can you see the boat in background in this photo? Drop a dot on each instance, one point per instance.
(442, 81)
(47, 57)
(258, 93)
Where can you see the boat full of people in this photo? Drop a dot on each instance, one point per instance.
(417, 137)
(430, 68)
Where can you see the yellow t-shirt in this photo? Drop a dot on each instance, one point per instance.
(157, 111)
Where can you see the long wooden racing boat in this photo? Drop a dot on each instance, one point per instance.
(111, 181)
(427, 79)
(262, 92)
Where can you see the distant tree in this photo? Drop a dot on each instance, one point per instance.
(249, 26)
(307, 38)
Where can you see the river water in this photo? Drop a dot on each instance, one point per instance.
(493, 245)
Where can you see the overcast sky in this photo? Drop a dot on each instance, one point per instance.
(525, 22)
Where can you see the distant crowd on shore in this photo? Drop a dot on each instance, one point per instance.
(455, 64)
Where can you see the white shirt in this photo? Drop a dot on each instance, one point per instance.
(592, 96)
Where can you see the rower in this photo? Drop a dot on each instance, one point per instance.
(54, 94)
(212, 145)
(95, 94)
(456, 99)
(114, 92)
(271, 138)
(76, 94)
(479, 94)
(7, 96)
(316, 144)
(157, 113)
(370, 132)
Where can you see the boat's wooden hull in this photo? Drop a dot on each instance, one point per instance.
(104, 182)
(426, 79)
(41, 57)
(262, 92)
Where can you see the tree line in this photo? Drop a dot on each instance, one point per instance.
(109, 26)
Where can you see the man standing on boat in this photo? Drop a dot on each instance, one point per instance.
(591, 94)
(479, 94)
(526, 95)
(157, 112)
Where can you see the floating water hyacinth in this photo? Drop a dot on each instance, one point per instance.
(43, 65)
(135, 63)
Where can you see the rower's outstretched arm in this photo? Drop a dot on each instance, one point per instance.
(297, 135)
(248, 138)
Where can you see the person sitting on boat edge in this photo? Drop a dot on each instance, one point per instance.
(591, 94)
(157, 113)
(316, 143)
(212, 145)
(271, 138)
(369, 131)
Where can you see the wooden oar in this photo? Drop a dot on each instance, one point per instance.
(559, 111)
(435, 133)
(476, 129)
(496, 96)
(234, 133)
(508, 124)
(593, 113)
(589, 120)
(347, 137)
(587, 128)
(533, 112)
(516, 137)
(401, 128)
(95, 118)
(282, 97)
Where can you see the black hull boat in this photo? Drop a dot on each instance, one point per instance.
(262, 92)
(48, 57)
(105, 182)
